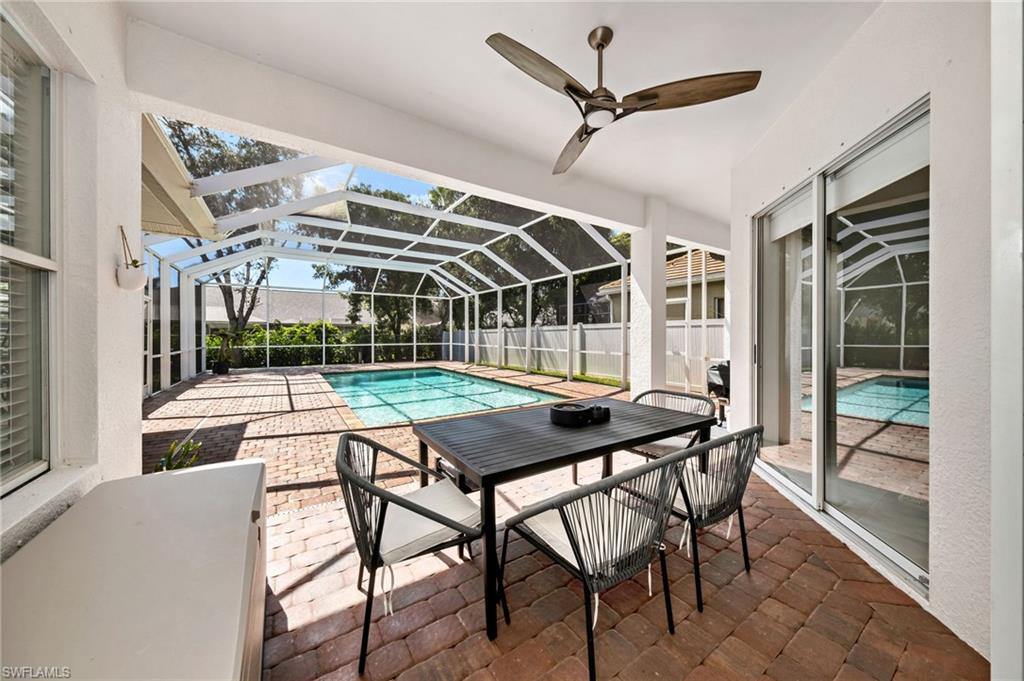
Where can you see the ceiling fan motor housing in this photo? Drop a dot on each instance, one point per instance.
(598, 117)
(600, 37)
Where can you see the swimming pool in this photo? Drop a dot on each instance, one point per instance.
(380, 398)
(886, 398)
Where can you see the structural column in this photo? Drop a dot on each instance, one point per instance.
(501, 332)
(202, 329)
(647, 300)
(187, 314)
(705, 360)
(165, 325)
(568, 328)
(451, 329)
(624, 325)
(266, 323)
(688, 329)
(528, 326)
(323, 322)
(476, 328)
(465, 329)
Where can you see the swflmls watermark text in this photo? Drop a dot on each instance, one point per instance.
(25, 672)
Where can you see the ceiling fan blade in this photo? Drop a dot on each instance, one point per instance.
(572, 150)
(695, 90)
(535, 66)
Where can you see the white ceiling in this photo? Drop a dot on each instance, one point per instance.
(430, 60)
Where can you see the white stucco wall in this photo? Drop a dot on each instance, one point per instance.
(98, 334)
(902, 53)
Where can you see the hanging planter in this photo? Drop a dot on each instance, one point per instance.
(131, 276)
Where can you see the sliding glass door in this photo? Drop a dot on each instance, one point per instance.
(786, 346)
(876, 451)
(852, 439)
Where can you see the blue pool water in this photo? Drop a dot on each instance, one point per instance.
(887, 398)
(381, 398)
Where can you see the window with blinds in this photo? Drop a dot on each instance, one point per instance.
(26, 264)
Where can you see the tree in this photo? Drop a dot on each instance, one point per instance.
(208, 152)
(393, 314)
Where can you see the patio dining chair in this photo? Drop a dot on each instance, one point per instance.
(391, 528)
(712, 479)
(603, 533)
(690, 403)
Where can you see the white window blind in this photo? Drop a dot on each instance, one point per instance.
(26, 266)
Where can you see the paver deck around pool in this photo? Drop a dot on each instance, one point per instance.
(810, 608)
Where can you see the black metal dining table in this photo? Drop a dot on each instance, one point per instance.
(495, 448)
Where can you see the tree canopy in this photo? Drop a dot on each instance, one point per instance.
(208, 152)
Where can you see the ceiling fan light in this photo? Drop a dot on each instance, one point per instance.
(598, 118)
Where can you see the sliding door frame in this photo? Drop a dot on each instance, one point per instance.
(822, 431)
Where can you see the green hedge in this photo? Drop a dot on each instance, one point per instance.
(250, 349)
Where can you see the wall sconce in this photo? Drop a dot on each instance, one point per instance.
(131, 275)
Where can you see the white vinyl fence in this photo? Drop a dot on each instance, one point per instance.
(596, 349)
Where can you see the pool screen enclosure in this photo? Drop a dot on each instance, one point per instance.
(405, 270)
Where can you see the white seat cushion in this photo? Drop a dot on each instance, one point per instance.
(407, 533)
(669, 445)
(550, 529)
(679, 506)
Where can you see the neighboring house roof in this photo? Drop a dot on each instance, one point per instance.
(287, 307)
(294, 307)
(676, 270)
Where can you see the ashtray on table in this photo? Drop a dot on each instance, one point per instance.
(576, 414)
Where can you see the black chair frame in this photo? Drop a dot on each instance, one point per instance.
(659, 505)
(731, 502)
(652, 397)
(359, 492)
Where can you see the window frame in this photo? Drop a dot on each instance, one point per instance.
(51, 266)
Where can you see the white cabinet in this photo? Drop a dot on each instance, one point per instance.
(153, 577)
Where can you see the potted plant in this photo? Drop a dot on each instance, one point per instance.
(130, 274)
(178, 456)
(223, 363)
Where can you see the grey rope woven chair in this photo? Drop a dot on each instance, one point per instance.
(389, 528)
(603, 533)
(690, 403)
(712, 479)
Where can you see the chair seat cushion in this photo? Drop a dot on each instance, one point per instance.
(660, 448)
(549, 528)
(407, 534)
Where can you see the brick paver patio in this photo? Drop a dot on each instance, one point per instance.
(810, 608)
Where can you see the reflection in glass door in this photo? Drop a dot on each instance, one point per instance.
(842, 355)
(876, 449)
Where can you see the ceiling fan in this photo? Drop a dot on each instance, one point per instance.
(600, 108)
